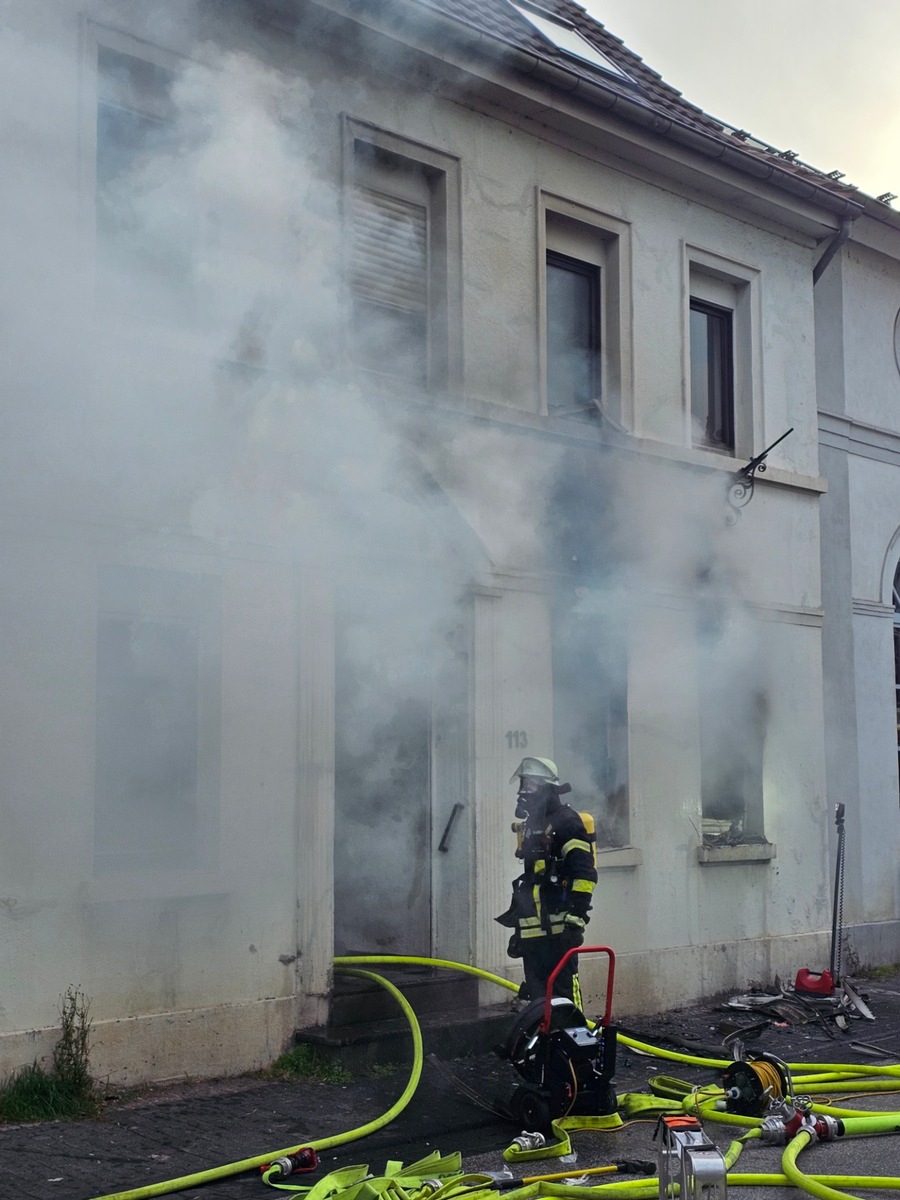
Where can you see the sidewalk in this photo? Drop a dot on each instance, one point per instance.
(171, 1132)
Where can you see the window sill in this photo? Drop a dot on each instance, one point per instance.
(621, 858)
(746, 852)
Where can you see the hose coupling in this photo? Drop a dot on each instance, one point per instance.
(291, 1164)
(430, 1186)
(822, 1127)
(529, 1141)
(783, 1121)
(773, 1131)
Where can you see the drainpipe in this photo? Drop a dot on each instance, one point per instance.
(832, 248)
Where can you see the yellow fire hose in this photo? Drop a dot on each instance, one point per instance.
(706, 1102)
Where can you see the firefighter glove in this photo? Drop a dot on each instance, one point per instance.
(573, 929)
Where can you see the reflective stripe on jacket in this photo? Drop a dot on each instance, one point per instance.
(558, 877)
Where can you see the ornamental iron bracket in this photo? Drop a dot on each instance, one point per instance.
(740, 489)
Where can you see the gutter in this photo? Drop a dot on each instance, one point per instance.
(707, 145)
(640, 113)
(832, 248)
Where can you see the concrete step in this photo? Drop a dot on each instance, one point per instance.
(360, 1001)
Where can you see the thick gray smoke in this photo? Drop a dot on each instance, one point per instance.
(176, 369)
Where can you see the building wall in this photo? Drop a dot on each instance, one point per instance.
(856, 311)
(167, 455)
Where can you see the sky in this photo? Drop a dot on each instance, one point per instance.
(815, 76)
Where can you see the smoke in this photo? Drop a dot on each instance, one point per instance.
(650, 627)
(178, 386)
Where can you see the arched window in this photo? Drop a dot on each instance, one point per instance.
(897, 654)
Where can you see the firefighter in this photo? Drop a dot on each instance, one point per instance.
(552, 896)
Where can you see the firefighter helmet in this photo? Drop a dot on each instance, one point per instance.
(536, 768)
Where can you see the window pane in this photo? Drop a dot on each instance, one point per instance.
(712, 375)
(145, 222)
(390, 285)
(573, 294)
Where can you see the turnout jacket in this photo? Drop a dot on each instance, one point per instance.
(558, 876)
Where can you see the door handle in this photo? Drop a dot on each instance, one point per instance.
(444, 843)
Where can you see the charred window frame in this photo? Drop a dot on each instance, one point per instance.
(573, 332)
(157, 724)
(712, 375)
(403, 262)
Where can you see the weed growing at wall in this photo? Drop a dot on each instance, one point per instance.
(303, 1062)
(65, 1091)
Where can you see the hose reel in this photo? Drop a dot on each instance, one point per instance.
(751, 1085)
(566, 1062)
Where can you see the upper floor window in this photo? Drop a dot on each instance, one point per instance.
(723, 356)
(404, 273)
(390, 279)
(145, 228)
(712, 375)
(573, 331)
(584, 310)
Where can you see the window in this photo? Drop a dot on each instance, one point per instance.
(403, 268)
(712, 375)
(573, 331)
(566, 37)
(584, 310)
(144, 216)
(157, 730)
(590, 718)
(723, 354)
(732, 715)
(390, 280)
(897, 653)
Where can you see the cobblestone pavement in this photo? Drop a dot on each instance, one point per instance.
(172, 1132)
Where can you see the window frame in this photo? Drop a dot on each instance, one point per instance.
(592, 352)
(444, 251)
(94, 37)
(719, 372)
(566, 226)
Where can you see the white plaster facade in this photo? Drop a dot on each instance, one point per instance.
(857, 301)
(128, 455)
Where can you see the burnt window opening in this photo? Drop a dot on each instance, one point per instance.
(573, 332)
(712, 375)
(733, 715)
(590, 719)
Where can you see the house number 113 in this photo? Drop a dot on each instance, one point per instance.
(517, 739)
